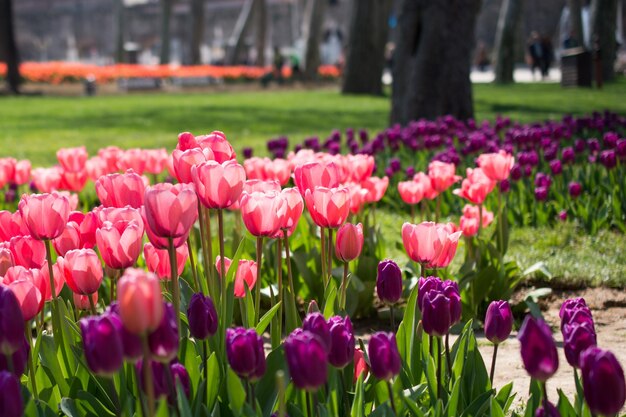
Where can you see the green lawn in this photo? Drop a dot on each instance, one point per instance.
(35, 127)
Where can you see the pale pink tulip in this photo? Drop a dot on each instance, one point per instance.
(376, 188)
(44, 280)
(47, 179)
(262, 213)
(69, 239)
(496, 166)
(349, 242)
(294, 205)
(428, 192)
(11, 224)
(411, 192)
(359, 167)
(72, 159)
(156, 159)
(218, 144)
(170, 210)
(421, 242)
(120, 243)
(134, 159)
(185, 160)
(218, 185)
(140, 301)
(158, 260)
(96, 167)
(329, 207)
(45, 215)
(316, 174)
(476, 186)
(6, 258)
(22, 172)
(442, 175)
(82, 270)
(120, 190)
(28, 251)
(278, 170)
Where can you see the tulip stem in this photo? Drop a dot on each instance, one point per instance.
(393, 317)
(500, 232)
(147, 371)
(209, 244)
(480, 219)
(448, 361)
(174, 280)
(292, 291)
(493, 363)
(171, 383)
(545, 397)
(31, 366)
(192, 263)
(323, 237)
(280, 384)
(439, 385)
(437, 208)
(279, 272)
(259, 279)
(91, 304)
(329, 248)
(391, 401)
(223, 283)
(205, 254)
(412, 212)
(344, 287)
(423, 270)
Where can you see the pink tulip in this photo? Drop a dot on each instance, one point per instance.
(263, 186)
(294, 206)
(28, 251)
(428, 192)
(111, 155)
(72, 159)
(220, 147)
(329, 207)
(476, 186)
(158, 260)
(73, 181)
(357, 197)
(87, 228)
(11, 224)
(421, 242)
(218, 185)
(170, 210)
(442, 175)
(44, 282)
(349, 242)
(82, 270)
(96, 167)
(161, 242)
(156, 159)
(218, 264)
(120, 243)
(376, 188)
(247, 273)
(185, 160)
(45, 215)
(133, 159)
(316, 174)
(411, 192)
(474, 212)
(28, 296)
(447, 245)
(140, 300)
(82, 301)
(186, 141)
(496, 166)
(71, 197)
(360, 167)
(262, 212)
(278, 170)
(6, 258)
(7, 171)
(115, 214)
(47, 179)
(255, 168)
(69, 239)
(469, 222)
(120, 190)
(22, 172)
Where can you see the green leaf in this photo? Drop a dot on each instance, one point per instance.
(267, 317)
(495, 409)
(93, 404)
(213, 388)
(69, 408)
(330, 295)
(182, 401)
(236, 392)
(50, 362)
(539, 269)
(357, 404)
(565, 407)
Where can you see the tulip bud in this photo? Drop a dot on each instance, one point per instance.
(131, 343)
(384, 356)
(307, 359)
(140, 301)
(316, 324)
(180, 374)
(52, 207)
(82, 270)
(498, 322)
(436, 313)
(11, 322)
(170, 210)
(424, 285)
(538, 349)
(451, 290)
(82, 302)
(389, 281)
(603, 381)
(360, 366)
(342, 341)
(244, 350)
(163, 341)
(575, 189)
(102, 344)
(547, 409)
(349, 242)
(202, 316)
(11, 404)
(577, 337)
(313, 307)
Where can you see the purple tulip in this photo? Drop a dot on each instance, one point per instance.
(202, 316)
(247, 152)
(342, 341)
(424, 285)
(538, 349)
(556, 167)
(568, 155)
(562, 215)
(102, 345)
(498, 322)
(580, 145)
(543, 180)
(245, 353)
(505, 186)
(317, 324)
(516, 172)
(451, 290)
(547, 409)
(159, 378)
(603, 381)
(395, 165)
(541, 193)
(11, 404)
(593, 144)
(307, 359)
(181, 376)
(389, 281)
(620, 148)
(436, 317)
(608, 159)
(11, 322)
(571, 305)
(384, 357)
(575, 189)
(164, 340)
(577, 337)
(19, 359)
(131, 343)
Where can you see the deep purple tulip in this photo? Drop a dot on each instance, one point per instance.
(571, 305)
(516, 172)
(543, 180)
(538, 349)
(202, 316)
(547, 409)
(164, 340)
(505, 186)
(556, 167)
(342, 341)
(11, 322)
(580, 316)
(436, 317)
(395, 165)
(603, 381)
(384, 357)
(159, 378)
(307, 359)
(424, 285)
(541, 193)
(247, 153)
(11, 404)
(131, 343)
(562, 215)
(593, 144)
(577, 337)
(498, 322)
(244, 349)
(451, 290)
(19, 359)
(317, 324)
(608, 159)
(568, 155)
(620, 148)
(575, 189)
(102, 344)
(389, 281)
(181, 376)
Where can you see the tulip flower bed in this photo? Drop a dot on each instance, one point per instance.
(242, 303)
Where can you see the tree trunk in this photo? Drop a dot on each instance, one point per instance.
(366, 48)
(432, 60)
(313, 20)
(197, 30)
(119, 36)
(506, 39)
(8, 46)
(261, 11)
(235, 43)
(603, 24)
(166, 14)
(576, 21)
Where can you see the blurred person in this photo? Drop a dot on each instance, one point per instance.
(535, 52)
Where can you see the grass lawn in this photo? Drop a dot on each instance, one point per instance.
(35, 127)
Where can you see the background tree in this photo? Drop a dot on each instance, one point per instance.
(576, 21)
(313, 21)
(8, 46)
(119, 35)
(432, 59)
(166, 14)
(261, 22)
(506, 40)
(369, 30)
(197, 30)
(603, 23)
